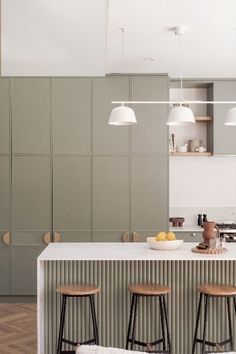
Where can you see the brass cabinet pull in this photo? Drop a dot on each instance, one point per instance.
(125, 237)
(57, 237)
(135, 237)
(47, 238)
(6, 238)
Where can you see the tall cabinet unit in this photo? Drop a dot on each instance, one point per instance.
(5, 187)
(72, 159)
(149, 149)
(31, 179)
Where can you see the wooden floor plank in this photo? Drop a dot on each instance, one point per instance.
(18, 329)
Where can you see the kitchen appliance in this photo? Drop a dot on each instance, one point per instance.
(227, 230)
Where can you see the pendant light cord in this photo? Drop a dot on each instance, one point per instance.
(123, 42)
(181, 66)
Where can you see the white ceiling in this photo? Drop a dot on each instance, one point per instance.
(209, 45)
(84, 38)
(53, 37)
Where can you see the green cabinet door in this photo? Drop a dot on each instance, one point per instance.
(72, 197)
(32, 218)
(4, 115)
(109, 139)
(150, 134)
(31, 115)
(224, 136)
(5, 283)
(72, 115)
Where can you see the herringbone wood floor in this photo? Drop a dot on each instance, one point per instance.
(18, 329)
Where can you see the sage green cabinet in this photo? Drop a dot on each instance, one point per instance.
(224, 136)
(151, 132)
(190, 236)
(5, 180)
(31, 115)
(5, 266)
(150, 192)
(71, 193)
(4, 115)
(109, 139)
(72, 115)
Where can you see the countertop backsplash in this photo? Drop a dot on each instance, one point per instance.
(213, 213)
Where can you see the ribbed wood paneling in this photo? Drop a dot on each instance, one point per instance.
(114, 300)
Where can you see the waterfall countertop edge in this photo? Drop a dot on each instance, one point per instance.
(112, 251)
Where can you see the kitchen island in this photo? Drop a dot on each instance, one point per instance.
(113, 266)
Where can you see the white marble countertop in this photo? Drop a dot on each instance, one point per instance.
(186, 228)
(126, 251)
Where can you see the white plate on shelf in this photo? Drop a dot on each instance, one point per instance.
(164, 245)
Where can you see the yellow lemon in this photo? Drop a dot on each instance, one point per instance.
(161, 236)
(170, 236)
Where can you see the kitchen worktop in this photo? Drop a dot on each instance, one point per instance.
(126, 252)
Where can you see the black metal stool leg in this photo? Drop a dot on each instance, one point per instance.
(62, 321)
(230, 324)
(134, 320)
(205, 323)
(234, 300)
(162, 322)
(130, 322)
(94, 319)
(197, 323)
(167, 325)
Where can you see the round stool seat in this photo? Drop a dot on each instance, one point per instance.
(149, 289)
(78, 289)
(217, 289)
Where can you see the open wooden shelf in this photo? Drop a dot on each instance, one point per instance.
(191, 154)
(203, 119)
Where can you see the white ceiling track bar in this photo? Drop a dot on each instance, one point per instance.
(173, 102)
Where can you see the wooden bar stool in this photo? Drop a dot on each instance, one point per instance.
(77, 290)
(220, 291)
(160, 291)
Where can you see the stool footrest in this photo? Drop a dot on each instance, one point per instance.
(89, 341)
(144, 344)
(213, 344)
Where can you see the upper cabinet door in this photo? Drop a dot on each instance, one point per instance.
(150, 134)
(5, 178)
(224, 136)
(72, 115)
(4, 115)
(31, 115)
(109, 139)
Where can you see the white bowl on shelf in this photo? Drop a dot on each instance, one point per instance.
(164, 245)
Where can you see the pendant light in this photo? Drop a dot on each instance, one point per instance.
(231, 117)
(122, 115)
(180, 114)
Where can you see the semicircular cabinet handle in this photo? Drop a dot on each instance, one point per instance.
(6, 238)
(47, 238)
(57, 237)
(125, 237)
(135, 237)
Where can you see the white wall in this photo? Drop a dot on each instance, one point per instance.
(203, 182)
(53, 37)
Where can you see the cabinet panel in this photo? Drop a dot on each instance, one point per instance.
(24, 269)
(71, 126)
(31, 115)
(150, 192)
(72, 188)
(150, 135)
(189, 236)
(224, 136)
(75, 236)
(108, 236)
(111, 193)
(5, 115)
(109, 139)
(4, 192)
(32, 192)
(5, 287)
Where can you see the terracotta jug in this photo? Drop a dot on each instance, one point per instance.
(210, 232)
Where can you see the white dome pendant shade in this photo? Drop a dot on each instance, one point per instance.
(231, 117)
(122, 115)
(180, 115)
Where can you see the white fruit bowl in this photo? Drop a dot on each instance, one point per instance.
(164, 245)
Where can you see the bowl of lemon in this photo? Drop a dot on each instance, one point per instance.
(164, 241)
